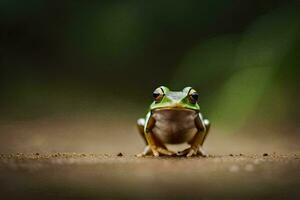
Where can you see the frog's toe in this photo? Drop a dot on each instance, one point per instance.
(147, 151)
(143, 154)
(164, 151)
(202, 152)
(189, 152)
(139, 155)
(154, 151)
(192, 152)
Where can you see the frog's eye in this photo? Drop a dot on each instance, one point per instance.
(193, 96)
(158, 94)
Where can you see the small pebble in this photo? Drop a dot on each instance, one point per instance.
(37, 154)
(241, 154)
(120, 154)
(265, 154)
(231, 154)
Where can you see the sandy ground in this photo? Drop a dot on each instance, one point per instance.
(32, 168)
(93, 176)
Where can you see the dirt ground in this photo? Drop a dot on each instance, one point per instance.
(93, 176)
(252, 165)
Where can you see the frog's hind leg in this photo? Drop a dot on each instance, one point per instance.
(200, 151)
(161, 148)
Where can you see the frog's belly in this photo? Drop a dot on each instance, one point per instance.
(174, 126)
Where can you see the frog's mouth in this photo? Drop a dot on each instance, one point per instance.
(174, 114)
(178, 109)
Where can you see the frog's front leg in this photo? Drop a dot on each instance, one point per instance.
(199, 138)
(141, 127)
(201, 151)
(154, 146)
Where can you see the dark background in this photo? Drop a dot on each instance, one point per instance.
(74, 74)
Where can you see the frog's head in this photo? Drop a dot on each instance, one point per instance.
(164, 98)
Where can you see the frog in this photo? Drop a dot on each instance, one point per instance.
(173, 117)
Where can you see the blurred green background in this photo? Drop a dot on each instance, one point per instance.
(70, 58)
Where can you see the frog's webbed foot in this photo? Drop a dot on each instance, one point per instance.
(147, 151)
(162, 151)
(189, 152)
(157, 148)
(156, 151)
(202, 152)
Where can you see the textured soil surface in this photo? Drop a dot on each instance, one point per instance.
(123, 176)
(260, 164)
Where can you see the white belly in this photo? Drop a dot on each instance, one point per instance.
(174, 126)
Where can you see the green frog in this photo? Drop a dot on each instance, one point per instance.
(173, 118)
